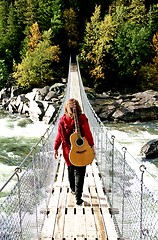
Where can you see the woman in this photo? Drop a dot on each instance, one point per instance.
(66, 127)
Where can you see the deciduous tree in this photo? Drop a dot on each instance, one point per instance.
(97, 43)
(132, 47)
(36, 68)
(149, 72)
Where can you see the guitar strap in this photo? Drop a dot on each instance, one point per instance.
(66, 130)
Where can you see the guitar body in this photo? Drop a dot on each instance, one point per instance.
(81, 154)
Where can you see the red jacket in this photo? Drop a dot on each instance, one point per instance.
(66, 127)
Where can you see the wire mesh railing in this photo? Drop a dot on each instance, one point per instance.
(132, 205)
(23, 211)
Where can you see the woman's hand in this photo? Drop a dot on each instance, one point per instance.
(55, 154)
(93, 149)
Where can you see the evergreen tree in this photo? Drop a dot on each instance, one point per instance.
(3, 74)
(50, 15)
(21, 6)
(153, 19)
(71, 30)
(31, 12)
(3, 25)
(56, 19)
(12, 37)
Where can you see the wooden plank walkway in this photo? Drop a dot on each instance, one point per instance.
(68, 221)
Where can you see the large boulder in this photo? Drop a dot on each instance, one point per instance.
(150, 149)
(36, 110)
(49, 113)
(41, 104)
(50, 95)
(141, 106)
(58, 88)
(42, 92)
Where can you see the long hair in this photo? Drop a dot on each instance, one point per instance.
(68, 110)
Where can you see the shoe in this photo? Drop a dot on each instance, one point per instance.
(73, 192)
(79, 202)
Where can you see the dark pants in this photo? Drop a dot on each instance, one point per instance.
(76, 179)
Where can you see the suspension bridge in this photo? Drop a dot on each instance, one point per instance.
(117, 204)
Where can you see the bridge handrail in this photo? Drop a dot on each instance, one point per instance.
(117, 174)
(133, 206)
(106, 131)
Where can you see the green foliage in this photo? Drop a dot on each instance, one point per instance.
(3, 74)
(113, 37)
(70, 27)
(137, 12)
(149, 72)
(50, 15)
(30, 12)
(97, 43)
(35, 69)
(153, 19)
(148, 77)
(20, 7)
(132, 48)
(132, 44)
(12, 37)
(56, 19)
(3, 25)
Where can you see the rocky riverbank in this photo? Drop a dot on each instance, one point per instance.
(41, 104)
(141, 106)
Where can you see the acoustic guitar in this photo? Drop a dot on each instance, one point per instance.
(81, 154)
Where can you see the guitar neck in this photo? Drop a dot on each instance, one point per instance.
(77, 128)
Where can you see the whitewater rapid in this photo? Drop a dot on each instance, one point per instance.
(17, 136)
(133, 137)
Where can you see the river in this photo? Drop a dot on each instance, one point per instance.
(18, 134)
(133, 136)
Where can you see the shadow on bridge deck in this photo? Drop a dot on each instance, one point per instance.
(68, 221)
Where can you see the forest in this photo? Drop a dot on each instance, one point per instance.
(116, 42)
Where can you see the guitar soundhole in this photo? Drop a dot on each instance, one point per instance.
(79, 142)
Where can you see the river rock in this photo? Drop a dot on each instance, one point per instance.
(31, 95)
(40, 104)
(5, 93)
(58, 87)
(42, 92)
(141, 106)
(150, 149)
(49, 114)
(50, 95)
